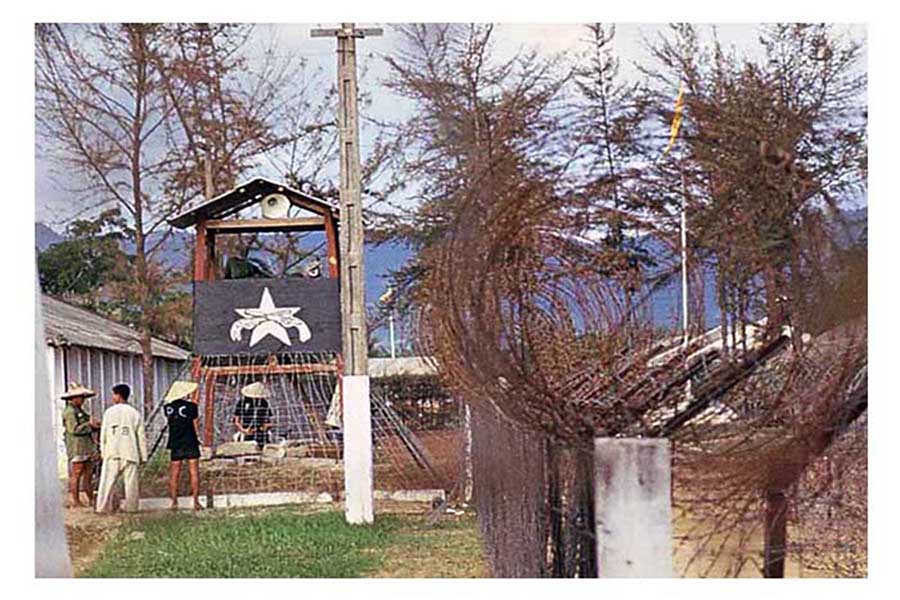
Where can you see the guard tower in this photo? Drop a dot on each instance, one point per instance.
(264, 320)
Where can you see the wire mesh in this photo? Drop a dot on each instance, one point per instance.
(302, 450)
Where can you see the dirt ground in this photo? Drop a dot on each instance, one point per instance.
(447, 550)
(87, 532)
(720, 556)
(395, 469)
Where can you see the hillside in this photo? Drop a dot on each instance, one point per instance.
(664, 304)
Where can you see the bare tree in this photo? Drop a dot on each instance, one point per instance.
(149, 117)
(102, 111)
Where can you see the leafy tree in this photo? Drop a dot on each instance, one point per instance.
(80, 268)
(773, 148)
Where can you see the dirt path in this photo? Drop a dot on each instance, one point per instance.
(87, 533)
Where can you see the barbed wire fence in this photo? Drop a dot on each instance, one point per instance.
(535, 330)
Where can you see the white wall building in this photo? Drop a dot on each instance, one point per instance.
(86, 348)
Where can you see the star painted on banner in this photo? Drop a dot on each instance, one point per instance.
(267, 319)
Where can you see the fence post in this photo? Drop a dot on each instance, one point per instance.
(358, 468)
(633, 507)
(51, 552)
(469, 482)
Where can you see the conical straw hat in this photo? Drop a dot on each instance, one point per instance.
(180, 389)
(76, 390)
(255, 390)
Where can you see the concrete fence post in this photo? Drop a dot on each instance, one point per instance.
(358, 466)
(633, 507)
(51, 551)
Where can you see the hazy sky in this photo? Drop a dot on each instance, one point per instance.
(52, 206)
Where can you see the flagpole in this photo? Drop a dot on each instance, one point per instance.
(684, 268)
(676, 125)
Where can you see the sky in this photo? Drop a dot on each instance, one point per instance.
(54, 207)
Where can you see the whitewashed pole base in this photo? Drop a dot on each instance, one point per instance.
(358, 474)
(633, 507)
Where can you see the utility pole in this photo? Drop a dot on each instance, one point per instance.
(357, 422)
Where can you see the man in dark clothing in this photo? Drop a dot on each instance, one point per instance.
(252, 415)
(184, 443)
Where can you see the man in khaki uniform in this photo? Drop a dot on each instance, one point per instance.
(80, 448)
(123, 447)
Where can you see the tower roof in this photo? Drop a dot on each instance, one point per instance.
(243, 196)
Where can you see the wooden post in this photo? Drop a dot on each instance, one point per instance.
(209, 411)
(357, 410)
(210, 255)
(775, 533)
(201, 250)
(334, 262)
(351, 232)
(196, 364)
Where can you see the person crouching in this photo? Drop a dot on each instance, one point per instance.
(184, 442)
(252, 416)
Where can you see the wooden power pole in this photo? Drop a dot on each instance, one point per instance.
(357, 421)
(351, 227)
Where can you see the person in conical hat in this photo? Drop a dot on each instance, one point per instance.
(255, 390)
(183, 417)
(81, 450)
(252, 415)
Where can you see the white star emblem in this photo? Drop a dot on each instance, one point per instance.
(267, 319)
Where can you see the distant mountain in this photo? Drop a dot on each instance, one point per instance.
(44, 237)
(857, 223)
(175, 252)
(380, 261)
(664, 304)
(665, 301)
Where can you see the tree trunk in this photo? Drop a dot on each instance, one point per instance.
(143, 273)
(147, 365)
(775, 315)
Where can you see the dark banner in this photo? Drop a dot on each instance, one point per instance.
(262, 316)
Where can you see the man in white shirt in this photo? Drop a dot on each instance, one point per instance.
(123, 447)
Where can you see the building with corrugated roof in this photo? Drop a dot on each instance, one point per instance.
(87, 348)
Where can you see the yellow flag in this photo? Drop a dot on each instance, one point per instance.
(676, 120)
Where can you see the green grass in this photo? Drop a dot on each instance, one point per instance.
(283, 542)
(277, 543)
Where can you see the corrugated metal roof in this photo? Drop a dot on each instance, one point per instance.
(67, 324)
(404, 365)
